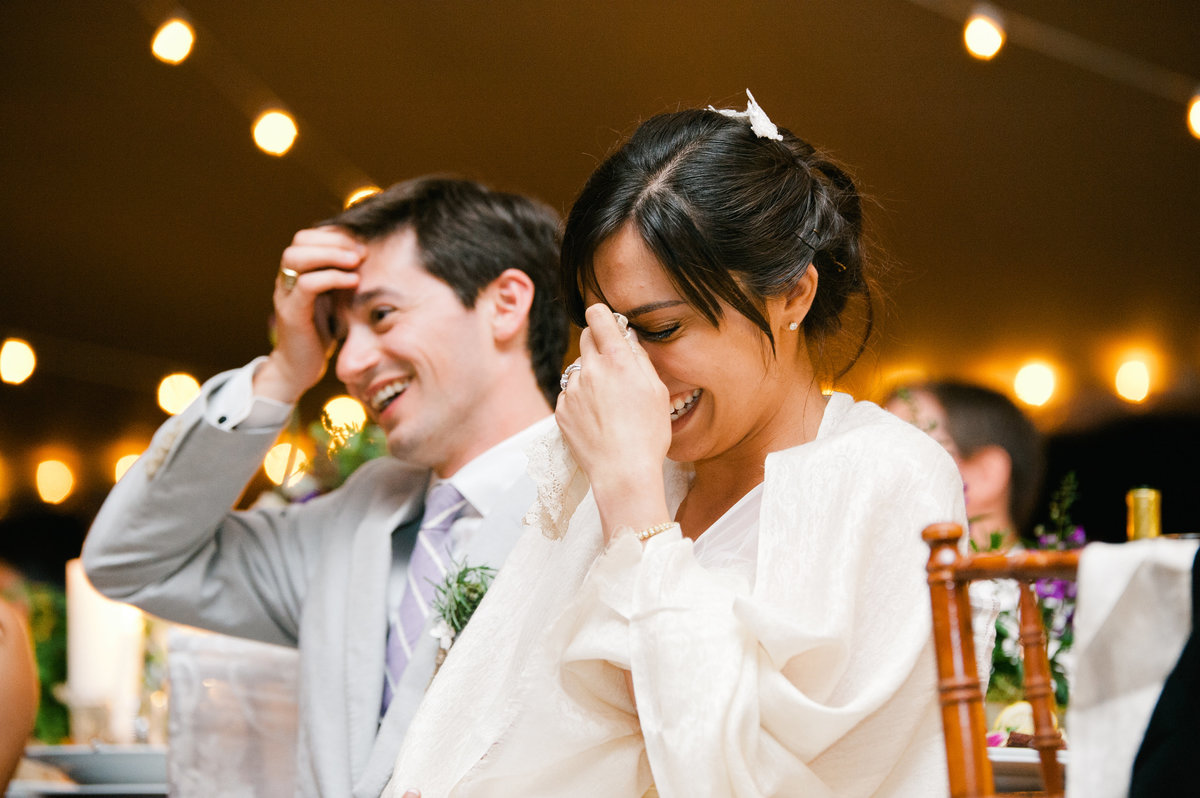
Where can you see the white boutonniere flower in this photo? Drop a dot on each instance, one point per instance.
(444, 634)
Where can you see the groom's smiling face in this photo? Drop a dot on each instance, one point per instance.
(416, 357)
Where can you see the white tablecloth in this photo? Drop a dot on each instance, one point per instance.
(1134, 614)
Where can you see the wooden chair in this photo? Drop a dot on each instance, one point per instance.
(963, 719)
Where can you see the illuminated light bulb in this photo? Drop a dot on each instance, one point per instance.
(360, 194)
(1133, 381)
(1034, 384)
(176, 391)
(17, 361)
(275, 132)
(54, 481)
(285, 462)
(983, 35)
(122, 465)
(1194, 114)
(343, 413)
(173, 41)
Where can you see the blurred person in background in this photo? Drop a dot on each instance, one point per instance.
(18, 688)
(997, 448)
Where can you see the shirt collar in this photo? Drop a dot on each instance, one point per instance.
(484, 481)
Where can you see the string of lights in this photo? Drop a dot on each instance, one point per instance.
(274, 128)
(986, 29)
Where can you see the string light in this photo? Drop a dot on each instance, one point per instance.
(1034, 384)
(1194, 114)
(173, 41)
(343, 412)
(1133, 381)
(122, 465)
(176, 391)
(285, 463)
(360, 194)
(17, 361)
(983, 34)
(54, 481)
(275, 132)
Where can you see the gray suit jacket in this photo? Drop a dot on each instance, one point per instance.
(310, 575)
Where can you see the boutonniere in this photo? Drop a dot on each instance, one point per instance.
(455, 601)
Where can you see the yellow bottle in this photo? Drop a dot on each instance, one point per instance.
(1144, 519)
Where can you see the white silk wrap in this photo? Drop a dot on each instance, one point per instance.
(817, 680)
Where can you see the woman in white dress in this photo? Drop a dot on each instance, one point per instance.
(722, 592)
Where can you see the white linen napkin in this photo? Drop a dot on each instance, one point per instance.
(1132, 619)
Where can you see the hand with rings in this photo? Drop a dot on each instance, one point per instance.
(565, 379)
(614, 411)
(319, 261)
(288, 277)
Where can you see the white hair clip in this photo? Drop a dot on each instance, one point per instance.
(760, 123)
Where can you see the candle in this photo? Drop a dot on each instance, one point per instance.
(104, 657)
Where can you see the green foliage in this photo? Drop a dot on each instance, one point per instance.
(342, 450)
(48, 624)
(456, 599)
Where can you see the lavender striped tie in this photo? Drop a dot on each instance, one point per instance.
(426, 569)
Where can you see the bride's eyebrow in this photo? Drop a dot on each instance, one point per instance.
(650, 307)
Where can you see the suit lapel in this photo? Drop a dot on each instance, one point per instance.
(366, 623)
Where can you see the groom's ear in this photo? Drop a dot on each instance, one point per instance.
(508, 300)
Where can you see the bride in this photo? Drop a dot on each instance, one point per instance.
(722, 591)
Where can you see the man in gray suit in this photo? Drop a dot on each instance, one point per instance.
(441, 294)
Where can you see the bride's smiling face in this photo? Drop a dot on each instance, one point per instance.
(726, 385)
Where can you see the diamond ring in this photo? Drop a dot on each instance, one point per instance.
(566, 375)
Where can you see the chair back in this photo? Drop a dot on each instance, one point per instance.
(232, 717)
(963, 719)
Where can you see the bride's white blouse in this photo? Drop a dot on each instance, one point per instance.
(789, 654)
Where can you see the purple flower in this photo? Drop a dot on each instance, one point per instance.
(1051, 588)
(1077, 537)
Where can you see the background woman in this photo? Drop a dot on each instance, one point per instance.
(997, 448)
(738, 607)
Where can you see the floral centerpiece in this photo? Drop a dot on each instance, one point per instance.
(1056, 598)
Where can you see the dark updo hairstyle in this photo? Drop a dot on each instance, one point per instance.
(731, 216)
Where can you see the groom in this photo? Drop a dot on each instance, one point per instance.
(440, 294)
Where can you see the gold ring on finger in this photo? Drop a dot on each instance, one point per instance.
(289, 277)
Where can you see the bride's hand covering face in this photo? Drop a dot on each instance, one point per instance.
(615, 413)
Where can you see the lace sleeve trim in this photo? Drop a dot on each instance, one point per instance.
(561, 484)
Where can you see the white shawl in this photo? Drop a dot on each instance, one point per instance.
(818, 681)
